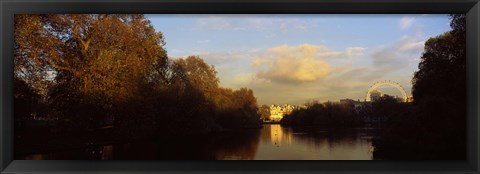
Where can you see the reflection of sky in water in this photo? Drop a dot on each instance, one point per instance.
(272, 142)
(286, 144)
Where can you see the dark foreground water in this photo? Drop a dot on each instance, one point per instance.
(272, 142)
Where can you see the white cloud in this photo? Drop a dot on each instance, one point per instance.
(306, 50)
(212, 23)
(259, 23)
(220, 58)
(200, 52)
(316, 51)
(406, 22)
(248, 22)
(284, 63)
(295, 69)
(399, 54)
(412, 46)
(288, 24)
(355, 51)
(258, 62)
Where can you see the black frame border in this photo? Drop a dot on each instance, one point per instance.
(10, 7)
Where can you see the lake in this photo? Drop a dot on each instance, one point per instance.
(271, 142)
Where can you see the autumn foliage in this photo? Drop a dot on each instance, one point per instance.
(83, 72)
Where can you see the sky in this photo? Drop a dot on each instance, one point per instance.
(292, 59)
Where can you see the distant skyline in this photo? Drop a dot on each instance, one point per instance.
(295, 58)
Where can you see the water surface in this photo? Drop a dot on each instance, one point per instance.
(271, 142)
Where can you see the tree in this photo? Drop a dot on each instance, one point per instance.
(95, 68)
(323, 115)
(201, 75)
(101, 51)
(442, 77)
(264, 112)
(245, 99)
(96, 60)
(27, 101)
(437, 123)
(443, 65)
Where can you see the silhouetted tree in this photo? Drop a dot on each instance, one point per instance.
(323, 115)
(27, 101)
(439, 87)
(436, 127)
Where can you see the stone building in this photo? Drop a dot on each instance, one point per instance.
(277, 111)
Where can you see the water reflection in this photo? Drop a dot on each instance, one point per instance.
(272, 142)
(280, 143)
(278, 137)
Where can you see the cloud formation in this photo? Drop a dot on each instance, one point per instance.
(245, 23)
(213, 23)
(294, 24)
(355, 51)
(406, 22)
(276, 74)
(301, 63)
(411, 44)
(294, 58)
(315, 51)
(295, 69)
(398, 55)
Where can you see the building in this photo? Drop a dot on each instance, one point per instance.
(410, 99)
(277, 112)
(375, 95)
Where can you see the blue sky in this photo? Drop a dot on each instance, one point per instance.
(296, 58)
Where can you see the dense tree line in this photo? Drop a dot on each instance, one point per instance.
(82, 72)
(323, 115)
(382, 112)
(437, 127)
(388, 110)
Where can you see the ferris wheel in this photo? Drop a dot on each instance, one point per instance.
(386, 83)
